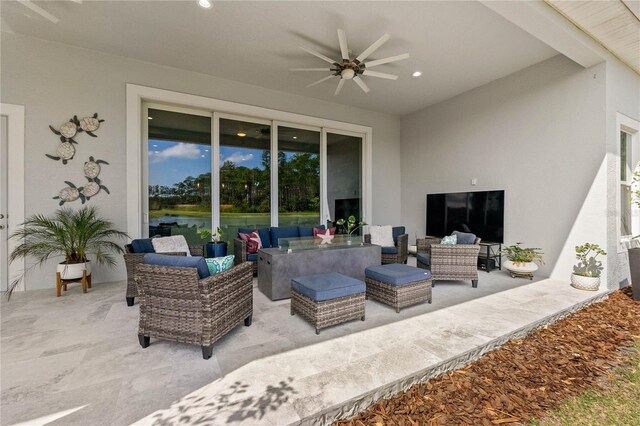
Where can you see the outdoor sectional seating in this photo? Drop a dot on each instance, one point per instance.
(134, 255)
(400, 250)
(269, 238)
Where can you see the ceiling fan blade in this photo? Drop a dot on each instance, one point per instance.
(40, 11)
(382, 40)
(360, 83)
(379, 74)
(339, 88)
(387, 60)
(344, 48)
(321, 80)
(318, 55)
(309, 69)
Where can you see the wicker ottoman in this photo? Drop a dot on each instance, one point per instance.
(398, 285)
(327, 299)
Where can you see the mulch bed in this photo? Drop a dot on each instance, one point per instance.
(522, 379)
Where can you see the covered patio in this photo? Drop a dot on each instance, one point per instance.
(278, 371)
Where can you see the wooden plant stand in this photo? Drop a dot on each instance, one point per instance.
(85, 281)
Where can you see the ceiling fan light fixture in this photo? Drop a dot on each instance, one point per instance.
(348, 73)
(205, 4)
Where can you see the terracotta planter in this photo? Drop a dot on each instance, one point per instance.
(585, 283)
(73, 271)
(634, 271)
(522, 269)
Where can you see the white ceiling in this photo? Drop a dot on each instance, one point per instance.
(457, 45)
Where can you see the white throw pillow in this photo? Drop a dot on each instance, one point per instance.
(175, 244)
(381, 235)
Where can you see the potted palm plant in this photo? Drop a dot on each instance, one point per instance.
(215, 247)
(521, 261)
(68, 233)
(586, 274)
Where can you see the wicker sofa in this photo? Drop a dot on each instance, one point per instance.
(269, 238)
(176, 305)
(132, 259)
(448, 262)
(400, 250)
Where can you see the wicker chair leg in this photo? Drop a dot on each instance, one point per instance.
(144, 340)
(474, 283)
(207, 351)
(247, 320)
(362, 318)
(397, 310)
(130, 301)
(317, 330)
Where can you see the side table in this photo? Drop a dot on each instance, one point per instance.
(489, 258)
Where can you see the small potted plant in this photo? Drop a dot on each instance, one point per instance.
(350, 225)
(586, 274)
(72, 234)
(521, 261)
(215, 247)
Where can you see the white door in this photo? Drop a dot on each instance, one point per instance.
(11, 188)
(4, 248)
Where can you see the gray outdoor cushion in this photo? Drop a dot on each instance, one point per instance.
(424, 257)
(397, 274)
(464, 237)
(252, 257)
(328, 286)
(389, 250)
(197, 262)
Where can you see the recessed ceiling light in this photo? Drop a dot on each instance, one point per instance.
(241, 134)
(295, 137)
(150, 118)
(206, 4)
(416, 74)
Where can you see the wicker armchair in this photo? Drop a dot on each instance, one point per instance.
(132, 260)
(240, 254)
(449, 262)
(176, 305)
(402, 247)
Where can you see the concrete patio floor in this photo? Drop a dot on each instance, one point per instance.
(81, 352)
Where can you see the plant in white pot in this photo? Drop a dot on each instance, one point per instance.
(521, 261)
(68, 233)
(586, 274)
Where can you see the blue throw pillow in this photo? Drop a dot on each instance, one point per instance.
(278, 232)
(464, 237)
(449, 240)
(396, 231)
(197, 262)
(220, 264)
(142, 245)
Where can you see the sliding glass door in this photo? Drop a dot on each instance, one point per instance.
(203, 169)
(245, 175)
(298, 177)
(179, 173)
(344, 157)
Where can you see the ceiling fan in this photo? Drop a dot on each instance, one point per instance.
(352, 69)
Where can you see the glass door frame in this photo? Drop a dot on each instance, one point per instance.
(137, 140)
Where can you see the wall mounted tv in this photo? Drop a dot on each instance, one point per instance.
(480, 212)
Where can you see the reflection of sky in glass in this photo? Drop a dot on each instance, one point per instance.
(172, 162)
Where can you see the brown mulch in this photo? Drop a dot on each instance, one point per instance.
(522, 379)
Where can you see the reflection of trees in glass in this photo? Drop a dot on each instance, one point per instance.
(247, 190)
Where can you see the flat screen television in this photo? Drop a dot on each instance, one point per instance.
(480, 212)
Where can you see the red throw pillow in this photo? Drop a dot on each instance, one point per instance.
(253, 241)
(331, 231)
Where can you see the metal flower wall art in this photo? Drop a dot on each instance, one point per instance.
(66, 151)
